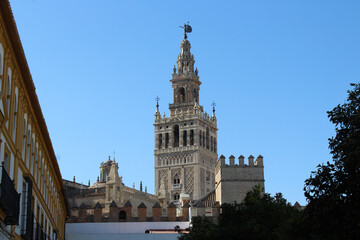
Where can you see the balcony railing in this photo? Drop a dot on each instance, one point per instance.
(176, 186)
(9, 199)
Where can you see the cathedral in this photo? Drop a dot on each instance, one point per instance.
(190, 179)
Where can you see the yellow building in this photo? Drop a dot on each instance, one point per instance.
(32, 202)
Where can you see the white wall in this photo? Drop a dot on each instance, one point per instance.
(120, 227)
(121, 230)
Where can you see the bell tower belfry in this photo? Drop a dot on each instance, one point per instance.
(186, 141)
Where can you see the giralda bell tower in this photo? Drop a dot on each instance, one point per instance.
(186, 141)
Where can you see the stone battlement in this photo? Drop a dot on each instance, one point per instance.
(221, 163)
(94, 213)
(233, 181)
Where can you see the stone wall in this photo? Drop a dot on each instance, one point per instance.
(233, 180)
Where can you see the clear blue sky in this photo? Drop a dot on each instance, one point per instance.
(273, 68)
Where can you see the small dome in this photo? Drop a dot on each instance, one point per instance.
(185, 44)
(106, 163)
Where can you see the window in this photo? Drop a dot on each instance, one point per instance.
(176, 136)
(176, 179)
(24, 199)
(160, 141)
(184, 138)
(207, 138)
(24, 137)
(200, 137)
(176, 196)
(166, 140)
(8, 91)
(122, 215)
(181, 95)
(191, 137)
(15, 114)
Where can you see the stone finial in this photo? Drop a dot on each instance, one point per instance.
(172, 205)
(241, 160)
(133, 185)
(98, 205)
(128, 204)
(142, 205)
(141, 186)
(259, 161)
(174, 69)
(251, 160)
(113, 204)
(145, 189)
(222, 160)
(232, 160)
(98, 179)
(89, 183)
(156, 205)
(74, 179)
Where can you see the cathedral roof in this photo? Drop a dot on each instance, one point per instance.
(142, 205)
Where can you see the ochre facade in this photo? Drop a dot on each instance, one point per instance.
(32, 202)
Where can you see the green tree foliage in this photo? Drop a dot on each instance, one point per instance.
(333, 191)
(260, 216)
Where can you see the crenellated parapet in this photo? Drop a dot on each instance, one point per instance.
(221, 163)
(234, 179)
(129, 213)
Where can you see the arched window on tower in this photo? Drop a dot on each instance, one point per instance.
(191, 137)
(185, 138)
(207, 138)
(176, 179)
(160, 141)
(181, 95)
(176, 197)
(176, 136)
(166, 140)
(203, 136)
(211, 143)
(215, 145)
(195, 95)
(200, 138)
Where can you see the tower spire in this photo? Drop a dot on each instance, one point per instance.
(157, 103)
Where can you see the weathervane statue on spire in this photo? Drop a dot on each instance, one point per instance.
(187, 29)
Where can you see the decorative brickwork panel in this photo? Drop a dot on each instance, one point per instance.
(163, 174)
(202, 181)
(176, 158)
(189, 180)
